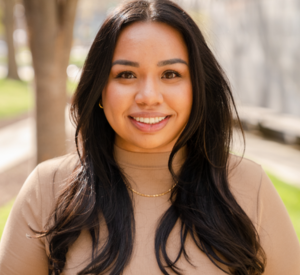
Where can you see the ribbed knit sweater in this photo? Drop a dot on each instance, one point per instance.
(147, 173)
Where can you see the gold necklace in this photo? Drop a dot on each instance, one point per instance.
(150, 196)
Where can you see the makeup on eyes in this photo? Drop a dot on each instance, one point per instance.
(125, 72)
(172, 72)
(176, 74)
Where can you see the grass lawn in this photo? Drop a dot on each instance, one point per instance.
(289, 194)
(15, 98)
(71, 87)
(291, 198)
(4, 212)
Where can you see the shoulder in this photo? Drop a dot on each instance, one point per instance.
(47, 176)
(245, 178)
(243, 172)
(57, 169)
(53, 173)
(50, 177)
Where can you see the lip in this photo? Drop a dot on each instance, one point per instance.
(149, 128)
(148, 114)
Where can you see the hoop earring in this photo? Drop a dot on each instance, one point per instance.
(100, 106)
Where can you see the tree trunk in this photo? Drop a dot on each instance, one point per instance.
(9, 30)
(50, 31)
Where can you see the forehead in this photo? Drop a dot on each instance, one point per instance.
(150, 42)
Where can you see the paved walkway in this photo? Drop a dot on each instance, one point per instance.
(17, 143)
(17, 151)
(280, 159)
(17, 155)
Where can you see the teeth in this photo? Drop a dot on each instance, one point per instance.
(149, 120)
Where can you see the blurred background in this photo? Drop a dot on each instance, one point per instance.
(43, 45)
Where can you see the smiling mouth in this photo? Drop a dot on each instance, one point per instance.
(149, 120)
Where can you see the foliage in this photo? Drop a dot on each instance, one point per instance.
(3, 59)
(291, 199)
(15, 98)
(4, 212)
(77, 60)
(71, 87)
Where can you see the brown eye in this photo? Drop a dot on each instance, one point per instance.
(126, 75)
(170, 75)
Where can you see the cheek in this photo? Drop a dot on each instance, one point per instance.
(181, 99)
(115, 102)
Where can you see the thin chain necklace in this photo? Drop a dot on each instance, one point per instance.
(150, 196)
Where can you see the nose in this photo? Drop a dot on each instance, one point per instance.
(149, 93)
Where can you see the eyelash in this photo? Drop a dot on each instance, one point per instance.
(125, 72)
(129, 72)
(173, 72)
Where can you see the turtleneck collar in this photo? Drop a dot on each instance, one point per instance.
(148, 160)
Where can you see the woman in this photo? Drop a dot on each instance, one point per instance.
(154, 189)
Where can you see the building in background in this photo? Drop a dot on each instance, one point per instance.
(258, 44)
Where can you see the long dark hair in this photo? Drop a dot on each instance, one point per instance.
(201, 201)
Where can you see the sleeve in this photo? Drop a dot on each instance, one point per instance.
(18, 253)
(277, 235)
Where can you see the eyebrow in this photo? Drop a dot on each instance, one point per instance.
(126, 63)
(171, 61)
(159, 64)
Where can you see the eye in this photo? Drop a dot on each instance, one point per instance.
(170, 74)
(126, 75)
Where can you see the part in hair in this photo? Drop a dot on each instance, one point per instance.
(202, 201)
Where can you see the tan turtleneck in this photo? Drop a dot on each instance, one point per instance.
(147, 173)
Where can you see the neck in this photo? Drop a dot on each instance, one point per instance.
(148, 173)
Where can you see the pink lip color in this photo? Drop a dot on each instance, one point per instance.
(147, 114)
(149, 127)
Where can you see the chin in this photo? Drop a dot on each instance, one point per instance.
(154, 146)
(146, 143)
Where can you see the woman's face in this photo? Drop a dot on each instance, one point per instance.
(148, 97)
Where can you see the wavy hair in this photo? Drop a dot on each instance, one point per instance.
(201, 201)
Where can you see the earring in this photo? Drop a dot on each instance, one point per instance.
(100, 106)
